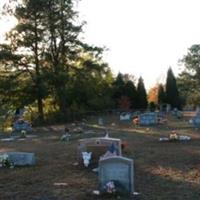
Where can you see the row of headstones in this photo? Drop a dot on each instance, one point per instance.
(112, 168)
(144, 119)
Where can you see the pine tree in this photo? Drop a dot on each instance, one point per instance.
(118, 88)
(161, 95)
(172, 94)
(130, 91)
(141, 95)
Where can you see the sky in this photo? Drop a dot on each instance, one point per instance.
(143, 37)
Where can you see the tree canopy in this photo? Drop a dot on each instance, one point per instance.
(189, 79)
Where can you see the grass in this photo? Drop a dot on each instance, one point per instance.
(163, 170)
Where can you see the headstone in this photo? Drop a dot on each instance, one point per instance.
(197, 111)
(21, 158)
(125, 116)
(147, 119)
(98, 146)
(168, 108)
(7, 139)
(100, 121)
(118, 169)
(196, 121)
(20, 125)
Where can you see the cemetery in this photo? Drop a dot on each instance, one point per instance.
(85, 112)
(46, 167)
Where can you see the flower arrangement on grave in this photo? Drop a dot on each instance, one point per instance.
(114, 188)
(173, 136)
(23, 134)
(86, 158)
(5, 161)
(110, 187)
(136, 121)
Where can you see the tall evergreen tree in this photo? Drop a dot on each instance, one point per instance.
(172, 94)
(130, 91)
(161, 94)
(142, 102)
(64, 48)
(124, 90)
(118, 88)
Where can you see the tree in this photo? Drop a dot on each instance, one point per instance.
(131, 93)
(189, 79)
(172, 94)
(118, 85)
(124, 103)
(161, 94)
(153, 95)
(124, 88)
(64, 48)
(46, 52)
(141, 95)
(91, 87)
(118, 89)
(26, 41)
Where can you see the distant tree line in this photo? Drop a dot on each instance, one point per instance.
(182, 91)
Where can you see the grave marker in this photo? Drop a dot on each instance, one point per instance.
(196, 121)
(98, 146)
(118, 169)
(21, 158)
(147, 119)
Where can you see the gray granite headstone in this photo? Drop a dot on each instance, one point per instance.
(21, 158)
(118, 169)
(148, 119)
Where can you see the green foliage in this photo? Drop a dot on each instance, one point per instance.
(131, 93)
(172, 94)
(26, 41)
(152, 106)
(161, 95)
(47, 66)
(189, 79)
(142, 102)
(123, 86)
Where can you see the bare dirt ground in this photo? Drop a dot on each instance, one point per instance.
(163, 170)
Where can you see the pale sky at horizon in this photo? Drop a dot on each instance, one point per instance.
(144, 37)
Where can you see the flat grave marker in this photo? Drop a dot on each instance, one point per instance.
(21, 158)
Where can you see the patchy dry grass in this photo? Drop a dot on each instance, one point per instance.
(163, 171)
